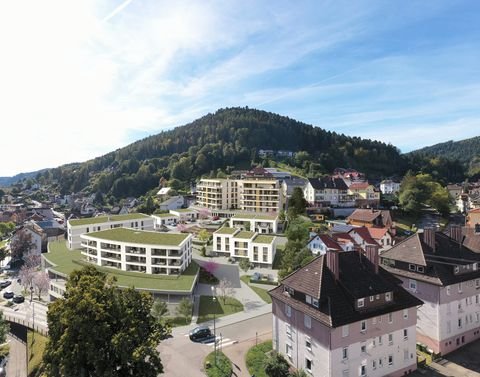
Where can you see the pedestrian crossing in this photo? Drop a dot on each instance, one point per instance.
(221, 342)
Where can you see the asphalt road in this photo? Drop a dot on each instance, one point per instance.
(181, 357)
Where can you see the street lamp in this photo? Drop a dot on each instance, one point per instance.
(31, 294)
(214, 327)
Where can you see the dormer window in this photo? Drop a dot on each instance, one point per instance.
(411, 267)
(360, 302)
(420, 269)
(456, 269)
(315, 302)
(308, 299)
(388, 296)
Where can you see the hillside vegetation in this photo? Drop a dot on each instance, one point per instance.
(217, 144)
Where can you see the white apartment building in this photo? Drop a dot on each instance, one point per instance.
(77, 227)
(260, 249)
(163, 219)
(444, 272)
(389, 187)
(258, 223)
(248, 194)
(149, 252)
(341, 315)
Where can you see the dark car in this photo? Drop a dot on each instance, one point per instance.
(18, 299)
(5, 283)
(3, 366)
(200, 333)
(8, 294)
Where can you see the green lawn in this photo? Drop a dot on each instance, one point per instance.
(222, 367)
(178, 321)
(259, 291)
(36, 347)
(256, 357)
(208, 307)
(404, 223)
(66, 261)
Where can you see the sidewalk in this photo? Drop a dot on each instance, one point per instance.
(238, 352)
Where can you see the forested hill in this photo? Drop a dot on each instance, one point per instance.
(217, 143)
(465, 151)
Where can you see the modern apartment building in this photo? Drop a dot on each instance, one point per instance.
(141, 251)
(258, 223)
(77, 227)
(247, 194)
(343, 315)
(443, 272)
(236, 243)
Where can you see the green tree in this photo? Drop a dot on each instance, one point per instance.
(4, 329)
(276, 366)
(296, 204)
(184, 308)
(298, 373)
(244, 264)
(100, 330)
(21, 244)
(159, 309)
(203, 235)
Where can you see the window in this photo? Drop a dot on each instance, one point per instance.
(380, 363)
(405, 354)
(405, 313)
(477, 317)
(315, 302)
(374, 364)
(345, 353)
(477, 283)
(308, 343)
(374, 320)
(307, 321)
(288, 310)
(88, 229)
(390, 359)
(459, 323)
(344, 331)
(412, 285)
(390, 317)
(460, 287)
(363, 348)
(372, 298)
(420, 269)
(363, 326)
(288, 330)
(377, 297)
(448, 291)
(308, 299)
(388, 296)
(405, 334)
(456, 269)
(363, 370)
(449, 327)
(361, 302)
(308, 364)
(477, 299)
(374, 343)
(288, 349)
(411, 267)
(390, 339)
(380, 340)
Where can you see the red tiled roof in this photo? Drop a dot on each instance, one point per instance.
(377, 233)
(365, 234)
(329, 242)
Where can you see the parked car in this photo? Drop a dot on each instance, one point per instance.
(18, 299)
(5, 283)
(200, 333)
(8, 294)
(3, 366)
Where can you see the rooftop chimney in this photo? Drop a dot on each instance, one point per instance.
(429, 237)
(371, 252)
(456, 233)
(332, 263)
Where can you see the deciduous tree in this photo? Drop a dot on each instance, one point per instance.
(100, 330)
(184, 308)
(21, 244)
(40, 283)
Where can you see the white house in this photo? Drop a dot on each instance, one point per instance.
(175, 202)
(389, 187)
(321, 243)
(260, 223)
(185, 214)
(163, 219)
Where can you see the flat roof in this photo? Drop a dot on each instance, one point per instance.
(164, 215)
(245, 234)
(140, 236)
(254, 217)
(66, 261)
(261, 238)
(183, 210)
(104, 219)
(225, 230)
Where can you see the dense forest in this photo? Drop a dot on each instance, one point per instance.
(465, 152)
(229, 139)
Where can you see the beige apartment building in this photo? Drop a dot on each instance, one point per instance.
(250, 195)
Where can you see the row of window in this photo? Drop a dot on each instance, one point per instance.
(374, 341)
(361, 301)
(460, 286)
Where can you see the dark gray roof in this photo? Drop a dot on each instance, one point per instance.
(323, 183)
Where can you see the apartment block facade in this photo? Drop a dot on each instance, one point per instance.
(263, 224)
(443, 272)
(260, 249)
(327, 191)
(140, 251)
(77, 227)
(343, 315)
(250, 194)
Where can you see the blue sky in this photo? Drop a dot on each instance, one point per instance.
(80, 79)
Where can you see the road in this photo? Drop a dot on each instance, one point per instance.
(17, 358)
(181, 357)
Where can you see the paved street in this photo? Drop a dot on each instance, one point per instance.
(17, 359)
(181, 357)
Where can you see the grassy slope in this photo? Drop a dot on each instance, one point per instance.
(208, 307)
(263, 293)
(256, 357)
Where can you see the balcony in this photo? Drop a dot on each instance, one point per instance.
(135, 250)
(159, 262)
(159, 253)
(136, 260)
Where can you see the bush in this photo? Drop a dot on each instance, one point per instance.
(256, 357)
(207, 277)
(223, 367)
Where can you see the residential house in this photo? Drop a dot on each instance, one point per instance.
(344, 240)
(362, 237)
(163, 219)
(321, 243)
(473, 217)
(327, 191)
(364, 194)
(259, 249)
(370, 217)
(441, 270)
(383, 237)
(455, 190)
(175, 202)
(288, 185)
(185, 214)
(343, 315)
(389, 187)
(258, 223)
